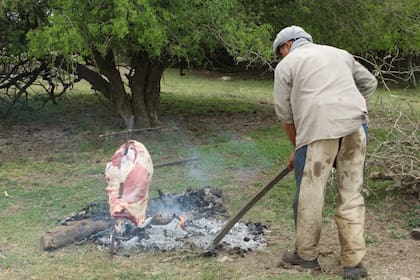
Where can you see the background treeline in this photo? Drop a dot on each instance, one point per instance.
(54, 43)
(383, 34)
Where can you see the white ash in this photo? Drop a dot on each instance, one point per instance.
(197, 233)
(204, 213)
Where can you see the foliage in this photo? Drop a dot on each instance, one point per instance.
(384, 34)
(144, 37)
(133, 33)
(359, 26)
(176, 29)
(393, 26)
(16, 19)
(18, 71)
(190, 30)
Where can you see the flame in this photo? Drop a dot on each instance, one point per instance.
(181, 221)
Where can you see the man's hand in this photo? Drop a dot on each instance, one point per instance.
(290, 164)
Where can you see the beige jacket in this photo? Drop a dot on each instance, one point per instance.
(323, 91)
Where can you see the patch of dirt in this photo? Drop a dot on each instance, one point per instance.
(201, 127)
(387, 257)
(35, 140)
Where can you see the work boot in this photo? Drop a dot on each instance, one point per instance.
(357, 272)
(294, 259)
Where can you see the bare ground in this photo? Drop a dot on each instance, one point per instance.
(392, 253)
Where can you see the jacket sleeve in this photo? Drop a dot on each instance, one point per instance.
(365, 81)
(282, 92)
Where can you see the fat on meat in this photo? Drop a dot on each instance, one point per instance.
(135, 171)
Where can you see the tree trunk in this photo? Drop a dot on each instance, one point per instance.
(145, 89)
(142, 101)
(153, 91)
(118, 96)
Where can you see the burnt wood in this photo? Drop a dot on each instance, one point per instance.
(74, 231)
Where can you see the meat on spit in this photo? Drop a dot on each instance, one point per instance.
(128, 175)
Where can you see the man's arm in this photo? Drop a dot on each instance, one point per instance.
(283, 107)
(365, 81)
(290, 130)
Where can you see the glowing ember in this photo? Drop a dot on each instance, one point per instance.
(181, 222)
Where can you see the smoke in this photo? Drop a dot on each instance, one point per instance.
(226, 156)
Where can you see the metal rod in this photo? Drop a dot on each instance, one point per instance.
(112, 240)
(121, 190)
(129, 133)
(107, 134)
(234, 219)
(176, 162)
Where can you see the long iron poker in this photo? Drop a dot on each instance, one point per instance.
(121, 187)
(234, 219)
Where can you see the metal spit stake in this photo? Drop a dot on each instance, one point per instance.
(121, 187)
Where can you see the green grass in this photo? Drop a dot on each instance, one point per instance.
(241, 146)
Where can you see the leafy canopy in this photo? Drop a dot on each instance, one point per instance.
(16, 18)
(161, 28)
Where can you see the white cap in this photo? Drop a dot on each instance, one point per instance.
(290, 33)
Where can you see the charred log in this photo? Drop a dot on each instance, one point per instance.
(415, 233)
(72, 232)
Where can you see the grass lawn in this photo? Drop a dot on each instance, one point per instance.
(52, 161)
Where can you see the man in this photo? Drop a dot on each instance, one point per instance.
(320, 95)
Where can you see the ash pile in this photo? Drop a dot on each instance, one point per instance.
(184, 221)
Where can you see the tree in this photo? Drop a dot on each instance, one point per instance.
(384, 33)
(395, 33)
(98, 39)
(17, 71)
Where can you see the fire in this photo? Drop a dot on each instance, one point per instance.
(181, 221)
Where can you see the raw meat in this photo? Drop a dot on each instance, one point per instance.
(134, 171)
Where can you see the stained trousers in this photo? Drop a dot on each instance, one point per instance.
(312, 165)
